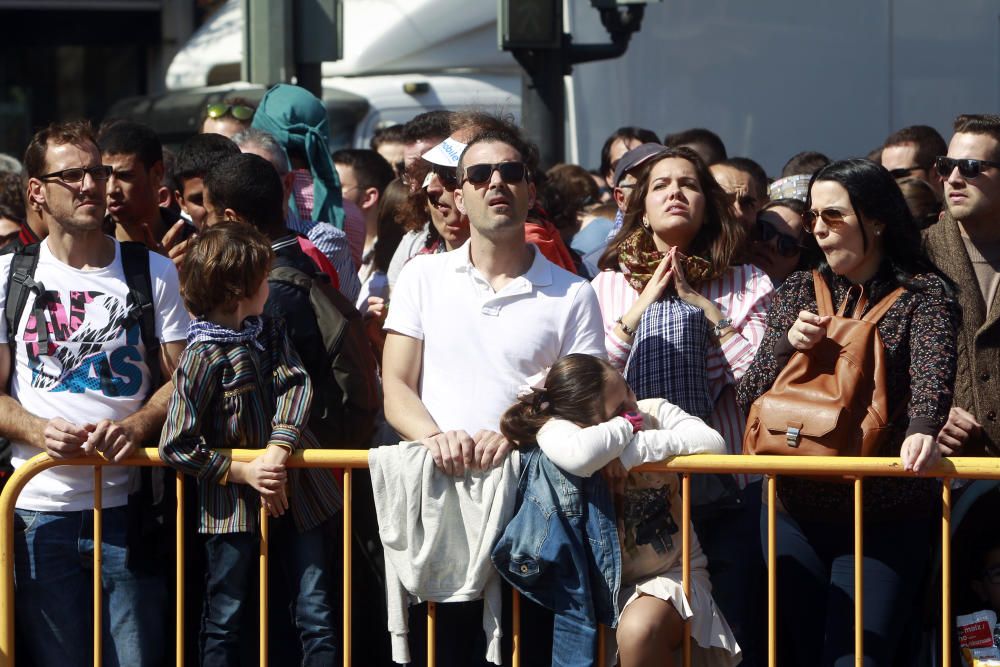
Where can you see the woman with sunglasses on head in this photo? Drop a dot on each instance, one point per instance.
(780, 244)
(682, 322)
(868, 238)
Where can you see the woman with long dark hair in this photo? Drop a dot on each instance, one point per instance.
(868, 239)
(683, 322)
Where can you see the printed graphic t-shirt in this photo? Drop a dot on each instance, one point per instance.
(93, 368)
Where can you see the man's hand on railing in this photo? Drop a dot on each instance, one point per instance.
(452, 451)
(63, 439)
(113, 440)
(491, 449)
(961, 426)
(920, 452)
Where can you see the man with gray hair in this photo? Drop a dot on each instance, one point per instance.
(332, 242)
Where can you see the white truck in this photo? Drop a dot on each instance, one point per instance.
(771, 77)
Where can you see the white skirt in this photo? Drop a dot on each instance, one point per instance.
(713, 644)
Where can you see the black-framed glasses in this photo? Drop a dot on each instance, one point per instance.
(967, 167)
(237, 111)
(832, 217)
(101, 172)
(448, 175)
(788, 246)
(510, 172)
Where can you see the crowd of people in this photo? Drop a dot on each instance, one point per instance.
(441, 290)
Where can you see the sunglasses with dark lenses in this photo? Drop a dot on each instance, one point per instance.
(832, 217)
(101, 172)
(237, 111)
(967, 167)
(510, 172)
(448, 175)
(903, 172)
(788, 246)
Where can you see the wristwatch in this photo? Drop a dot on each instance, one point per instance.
(721, 326)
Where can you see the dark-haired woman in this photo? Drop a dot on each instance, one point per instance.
(868, 239)
(683, 323)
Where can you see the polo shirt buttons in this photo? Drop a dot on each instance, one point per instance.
(992, 415)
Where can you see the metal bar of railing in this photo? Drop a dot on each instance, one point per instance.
(515, 622)
(97, 541)
(179, 570)
(946, 575)
(962, 467)
(859, 576)
(431, 634)
(265, 537)
(686, 560)
(772, 572)
(348, 532)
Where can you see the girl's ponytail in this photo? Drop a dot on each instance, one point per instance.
(521, 422)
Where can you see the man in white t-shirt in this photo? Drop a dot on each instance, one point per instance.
(78, 386)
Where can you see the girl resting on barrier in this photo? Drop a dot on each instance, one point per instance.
(586, 419)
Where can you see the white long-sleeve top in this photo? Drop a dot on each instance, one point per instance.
(667, 431)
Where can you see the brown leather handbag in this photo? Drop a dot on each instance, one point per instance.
(830, 400)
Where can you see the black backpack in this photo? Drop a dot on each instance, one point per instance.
(21, 282)
(346, 398)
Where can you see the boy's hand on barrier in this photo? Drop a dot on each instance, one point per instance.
(919, 452)
(63, 439)
(807, 330)
(268, 478)
(276, 505)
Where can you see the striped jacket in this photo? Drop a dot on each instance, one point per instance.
(233, 396)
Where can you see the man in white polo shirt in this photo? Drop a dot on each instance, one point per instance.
(467, 328)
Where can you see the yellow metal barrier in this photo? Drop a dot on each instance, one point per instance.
(770, 466)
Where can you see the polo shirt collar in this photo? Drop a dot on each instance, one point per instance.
(538, 274)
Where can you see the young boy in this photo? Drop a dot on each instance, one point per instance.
(240, 385)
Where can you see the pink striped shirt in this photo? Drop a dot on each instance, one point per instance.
(743, 294)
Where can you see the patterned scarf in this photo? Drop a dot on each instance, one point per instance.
(638, 258)
(203, 330)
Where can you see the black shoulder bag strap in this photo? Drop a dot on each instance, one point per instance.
(20, 283)
(135, 264)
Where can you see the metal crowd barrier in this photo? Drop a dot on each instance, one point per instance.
(769, 466)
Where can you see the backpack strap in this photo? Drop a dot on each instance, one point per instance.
(20, 283)
(824, 302)
(880, 308)
(135, 265)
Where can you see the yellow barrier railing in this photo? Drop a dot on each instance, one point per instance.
(770, 466)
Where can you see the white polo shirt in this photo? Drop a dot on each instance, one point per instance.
(480, 346)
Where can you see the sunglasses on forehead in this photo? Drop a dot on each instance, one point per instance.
(788, 246)
(967, 167)
(237, 111)
(510, 172)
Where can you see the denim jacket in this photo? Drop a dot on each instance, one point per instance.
(561, 551)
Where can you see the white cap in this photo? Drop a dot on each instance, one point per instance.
(445, 153)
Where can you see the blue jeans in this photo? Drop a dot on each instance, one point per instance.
(53, 557)
(231, 565)
(815, 571)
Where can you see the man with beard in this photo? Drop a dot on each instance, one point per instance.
(78, 370)
(965, 245)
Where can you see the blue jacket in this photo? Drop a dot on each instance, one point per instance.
(561, 551)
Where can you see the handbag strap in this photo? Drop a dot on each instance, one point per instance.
(824, 302)
(880, 309)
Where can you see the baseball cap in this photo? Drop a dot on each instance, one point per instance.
(634, 158)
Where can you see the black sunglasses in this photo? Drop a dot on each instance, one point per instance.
(448, 175)
(101, 172)
(832, 217)
(903, 172)
(237, 111)
(510, 172)
(788, 246)
(967, 167)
